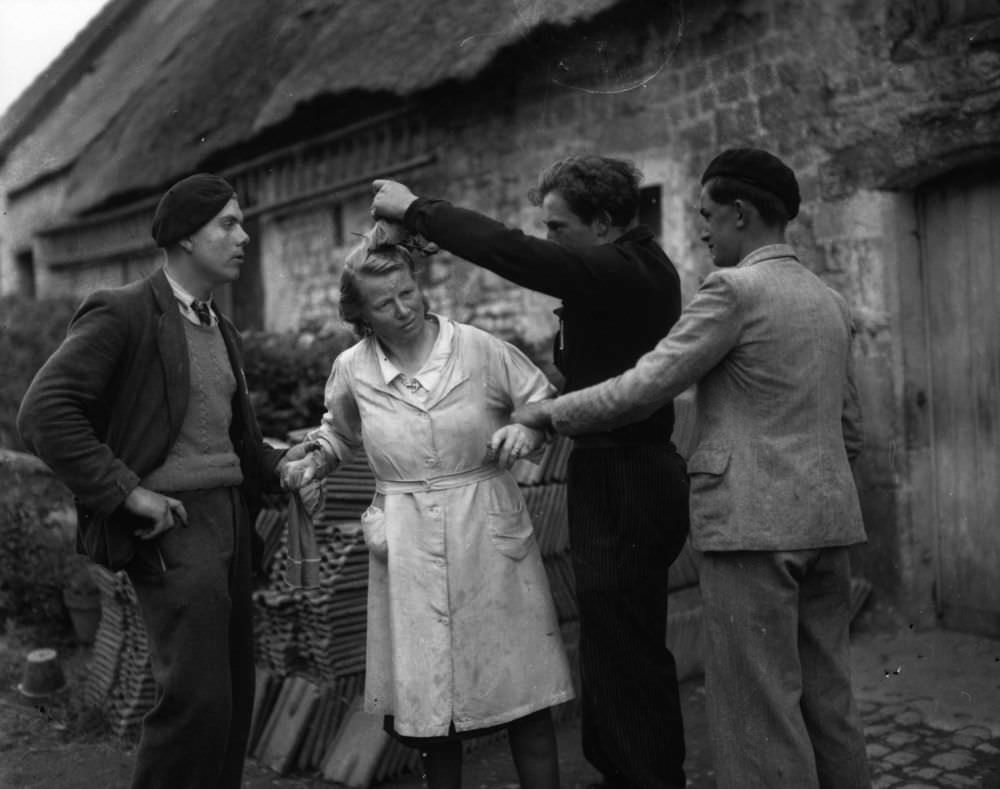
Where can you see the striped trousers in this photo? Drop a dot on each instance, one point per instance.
(628, 520)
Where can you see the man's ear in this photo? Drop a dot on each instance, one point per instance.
(601, 224)
(740, 206)
(186, 245)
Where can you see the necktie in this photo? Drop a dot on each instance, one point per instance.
(201, 310)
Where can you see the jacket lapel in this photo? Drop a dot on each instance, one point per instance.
(241, 412)
(172, 345)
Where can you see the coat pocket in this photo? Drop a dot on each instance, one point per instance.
(511, 531)
(710, 492)
(373, 528)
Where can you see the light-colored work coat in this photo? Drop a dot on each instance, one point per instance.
(461, 624)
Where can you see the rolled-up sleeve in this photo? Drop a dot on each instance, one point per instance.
(525, 383)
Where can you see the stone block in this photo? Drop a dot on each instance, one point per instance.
(900, 738)
(957, 759)
(733, 89)
(901, 758)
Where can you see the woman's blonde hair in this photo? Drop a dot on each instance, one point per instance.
(384, 249)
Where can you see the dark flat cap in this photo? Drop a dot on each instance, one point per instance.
(188, 205)
(760, 169)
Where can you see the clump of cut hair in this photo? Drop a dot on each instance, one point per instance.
(592, 185)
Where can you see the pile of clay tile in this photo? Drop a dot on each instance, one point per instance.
(310, 644)
(543, 485)
(120, 679)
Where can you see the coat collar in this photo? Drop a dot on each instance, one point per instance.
(637, 234)
(162, 292)
(769, 252)
(172, 345)
(453, 374)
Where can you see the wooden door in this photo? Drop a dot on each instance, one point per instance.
(960, 241)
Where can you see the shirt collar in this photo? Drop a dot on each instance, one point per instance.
(768, 252)
(184, 299)
(441, 349)
(180, 292)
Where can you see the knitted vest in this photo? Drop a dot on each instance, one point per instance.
(203, 455)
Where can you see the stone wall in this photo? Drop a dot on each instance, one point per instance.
(865, 100)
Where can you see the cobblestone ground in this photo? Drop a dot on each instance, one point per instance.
(905, 753)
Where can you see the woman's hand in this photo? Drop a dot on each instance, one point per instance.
(513, 442)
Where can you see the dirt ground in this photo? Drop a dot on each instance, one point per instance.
(58, 743)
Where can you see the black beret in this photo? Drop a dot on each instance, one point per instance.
(188, 205)
(758, 168)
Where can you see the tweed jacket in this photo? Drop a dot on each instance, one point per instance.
(768, 344)
(106, 407)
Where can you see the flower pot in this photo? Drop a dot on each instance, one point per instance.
(84, 612)
(42, 676)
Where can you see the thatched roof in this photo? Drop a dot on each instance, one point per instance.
(214, 74)
(403, 46)
(51, 86)
(70, 103)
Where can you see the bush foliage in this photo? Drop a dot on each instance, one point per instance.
(286, 374)
(30, 330)
(35, 556)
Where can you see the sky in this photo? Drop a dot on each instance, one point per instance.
(32, 34)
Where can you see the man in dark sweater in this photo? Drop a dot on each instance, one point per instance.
(627, 488)
(143, 411)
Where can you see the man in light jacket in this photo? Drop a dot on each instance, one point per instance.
(773, 501)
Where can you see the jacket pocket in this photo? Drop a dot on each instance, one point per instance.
(710, 495)
(709, 461)
(373, 528)
(510, 531)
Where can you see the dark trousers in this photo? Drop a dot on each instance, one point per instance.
(199, 623)
(628, 520)
(781, 710)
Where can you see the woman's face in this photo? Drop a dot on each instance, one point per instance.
(392, 305)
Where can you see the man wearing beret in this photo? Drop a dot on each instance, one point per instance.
(143, 412)
(773, 501)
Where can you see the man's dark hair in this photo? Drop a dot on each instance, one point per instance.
(726, 191)
(592, 184)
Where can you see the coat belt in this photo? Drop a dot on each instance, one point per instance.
(441, 482)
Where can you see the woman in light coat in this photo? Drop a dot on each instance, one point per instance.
(462, 631)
